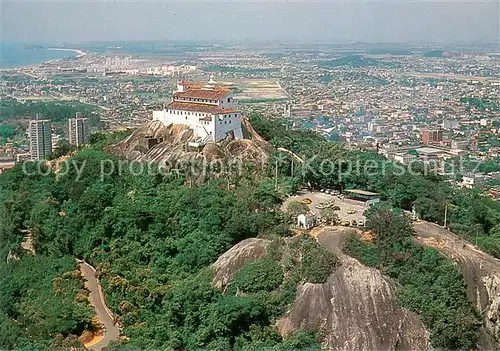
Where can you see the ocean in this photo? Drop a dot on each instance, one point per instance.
(17, 55)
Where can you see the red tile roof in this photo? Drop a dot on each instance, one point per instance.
(197, 107)
(196, 93)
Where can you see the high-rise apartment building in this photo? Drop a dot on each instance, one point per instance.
(40, 133)
(431, 136)
(78, 130)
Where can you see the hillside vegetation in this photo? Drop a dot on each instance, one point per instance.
(154, 237)
(474, 217)
(430, 284)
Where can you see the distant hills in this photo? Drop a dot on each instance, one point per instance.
(355, 61)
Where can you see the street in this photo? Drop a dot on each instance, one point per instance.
(111, 331)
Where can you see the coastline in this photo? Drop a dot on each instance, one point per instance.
(66, 52)
(79, 53)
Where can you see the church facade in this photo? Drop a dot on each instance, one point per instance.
(209, 111)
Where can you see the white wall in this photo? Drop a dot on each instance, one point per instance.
(220, 125)
(160, 116)
(223, 125)
(225, 104)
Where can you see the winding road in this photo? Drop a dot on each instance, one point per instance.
(111, 330)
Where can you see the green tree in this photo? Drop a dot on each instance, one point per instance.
(391, 228)
(330, 214)
(294, 208)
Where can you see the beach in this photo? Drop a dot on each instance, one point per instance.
(79, 53)
(19, 55)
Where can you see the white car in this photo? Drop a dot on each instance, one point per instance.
(361, 223)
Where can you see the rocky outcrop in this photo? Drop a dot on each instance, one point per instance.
(481, 273)
(169, 145)
(355, 309)
(236, 258)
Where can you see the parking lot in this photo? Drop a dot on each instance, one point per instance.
(345, 205)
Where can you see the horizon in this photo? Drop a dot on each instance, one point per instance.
(404, 21)
(239, 42)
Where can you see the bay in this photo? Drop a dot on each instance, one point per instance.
(18, 55)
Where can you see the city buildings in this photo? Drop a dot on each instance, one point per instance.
(450, 124)
(460, 144)
(380, 104)
(209, 111)
(40, 135)
(431, 136)
(78, 130)
(404, 158)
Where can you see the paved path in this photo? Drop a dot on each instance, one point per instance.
(454, 246)
(111, 331)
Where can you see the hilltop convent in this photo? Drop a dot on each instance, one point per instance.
(209, 111)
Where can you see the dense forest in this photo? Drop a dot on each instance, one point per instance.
(430, 284)
(153, 237)
(471, 215)
(42, 304)
(55, 111)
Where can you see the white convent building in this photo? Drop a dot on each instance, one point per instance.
(209, 111)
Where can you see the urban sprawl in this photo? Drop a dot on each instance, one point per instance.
(425, 104)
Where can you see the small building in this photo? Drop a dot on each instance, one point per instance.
(55, 141)
(429, 153)
(305, 221)
(362, 195)
(494, 193)
(23, 157)
(460, 144)
(6, 165)
(473, 180)
(468, 182)
(404, 158)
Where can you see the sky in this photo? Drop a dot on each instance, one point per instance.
(445, 21)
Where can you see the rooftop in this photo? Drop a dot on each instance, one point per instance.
(361, 192)
(428, 150)
(197, 107)
(198, 93)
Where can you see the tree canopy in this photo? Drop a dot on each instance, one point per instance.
(429, 284)
(153, 238)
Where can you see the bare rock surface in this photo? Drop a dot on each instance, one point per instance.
(355, 309)
(481, 273)
(173, 147)
(236, 258)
